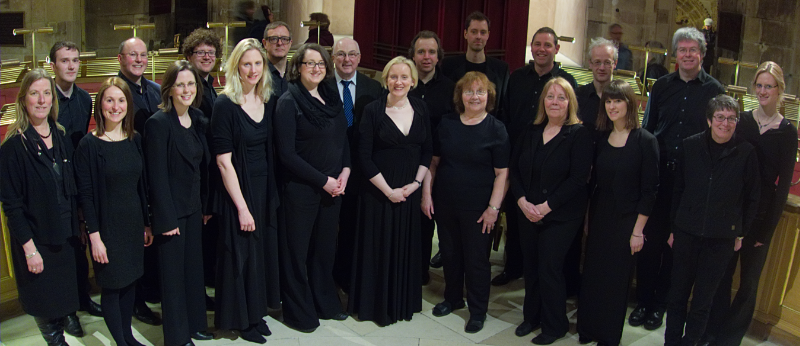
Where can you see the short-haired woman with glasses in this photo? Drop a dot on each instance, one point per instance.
(311, 133)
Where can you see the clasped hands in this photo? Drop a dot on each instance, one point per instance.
(401, 193)
(336, 186)
(534, 213)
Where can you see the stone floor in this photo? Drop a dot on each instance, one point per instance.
(505, 312)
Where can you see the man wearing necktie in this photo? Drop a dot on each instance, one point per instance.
(356, 90)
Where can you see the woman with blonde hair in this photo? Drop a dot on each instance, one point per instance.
(110, 173)
(246, 203)
(395, 152)
(549, 170)
(37, 191)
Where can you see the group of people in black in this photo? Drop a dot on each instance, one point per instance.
(305, 176)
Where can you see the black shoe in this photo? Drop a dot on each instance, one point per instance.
(73, 326)
(544, 339)
(252, 335)
(92, 308)
(637, 317)
(145, 315)
(474, 325)
(263, 329)
(583, 340)
(436, 261)
(654, 320)
(523, 329)
(190, 343)
(426, 278)
(445, 308)
(209, 303)
(52, 330)
(131, 341)
(504, 278)
(339, 316)
(201, 335)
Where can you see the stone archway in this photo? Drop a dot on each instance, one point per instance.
(693, 12)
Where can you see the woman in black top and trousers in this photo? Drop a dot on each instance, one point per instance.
(177, 158)
(311, 131)
(549, 171)
(622, 199)
(37, 191)
(110, 173)
(247, 263)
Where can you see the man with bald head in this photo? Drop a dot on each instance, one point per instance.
(146, 94)
(356, 90)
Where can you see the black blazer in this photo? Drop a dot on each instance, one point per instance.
(455, 67)
(367, 90)
(169, 169)
(565, 173)
(636, 180)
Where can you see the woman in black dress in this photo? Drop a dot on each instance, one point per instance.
(177, 158)
(247, 274)
(395, 151)
(109, 170)
(311, 130)
(469, 173)
(549, 171)
(775, 139)
(37, 191)
(622, 196)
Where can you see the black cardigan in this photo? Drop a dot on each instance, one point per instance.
(91, 180)
(715, 199)
(635, 183)
(28, 188)
(565, 173)
(169, 169)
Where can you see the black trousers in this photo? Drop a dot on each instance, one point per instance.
(183, 303)
(82, 271)
(654, 261)
(513, 248)
(309, 218)
(545, 247)
(348, 215)
(427, 228)
(465, 256)
(729, 321)
(699, 263)
(210, 238)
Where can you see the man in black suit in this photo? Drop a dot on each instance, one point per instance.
(437, 92)
(356, 91)
(476, 32)
(519, 108)
(277, 41)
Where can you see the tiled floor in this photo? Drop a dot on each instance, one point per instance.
(505, 312)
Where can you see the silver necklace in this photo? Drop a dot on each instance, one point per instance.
(399, 108)
(771, 120)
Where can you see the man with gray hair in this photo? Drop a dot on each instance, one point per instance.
(603, 57)
(675, 111)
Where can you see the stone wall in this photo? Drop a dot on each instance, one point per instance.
(65, 16)
(566, 17)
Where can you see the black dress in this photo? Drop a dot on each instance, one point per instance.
(385, 281)
(121, 220)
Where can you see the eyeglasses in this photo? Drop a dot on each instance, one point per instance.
(606, 63)
(283, 39)
(190, 85)
(684, 50)
(766, 87)
(133, 55)
(552, 97)
(351, 54)
(470, 93)
(202, 53)
(721, 119)
(311, 64)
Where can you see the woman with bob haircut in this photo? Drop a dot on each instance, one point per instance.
(110, 173)
(247, 202)
(37, 191)
(311, 131)
(549, 170)
(622, 197)
(469, 174)
(775, 139)
(177, 161)
(395, 152)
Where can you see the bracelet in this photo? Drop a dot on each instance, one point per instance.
(29, 256)
(740, 238)
(418, 182)
(390, 195)
(637, 236)
(493, 208)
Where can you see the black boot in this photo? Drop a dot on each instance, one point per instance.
(52, 330)
(72, 325)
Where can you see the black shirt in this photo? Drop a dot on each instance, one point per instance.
(676, 109)
(438, 96)
(522, 96)
(481, 67)
(279, 84)
(74, 113)
(146, 99)
(209, 96)
(468, 156)
(588, 105)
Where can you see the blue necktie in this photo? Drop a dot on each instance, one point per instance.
(348, 102)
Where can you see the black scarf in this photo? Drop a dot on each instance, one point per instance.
(318, 114)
